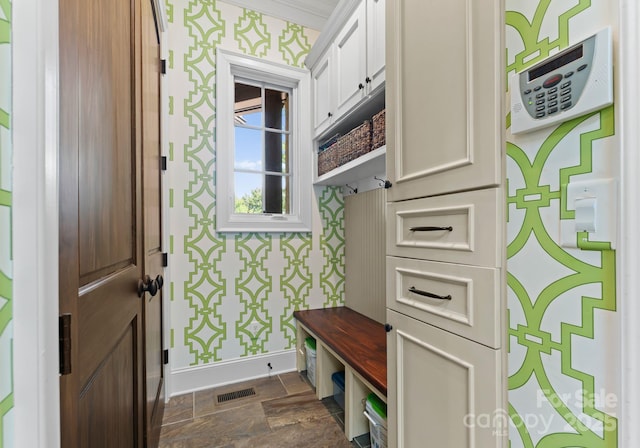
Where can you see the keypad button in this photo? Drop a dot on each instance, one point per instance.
(553, 90)
(553, 103)
(553, 97)
(565, 85)
(540, 108)
(540, 95)
(540, 115)
(566, 105)
(538, 102)
(553, 110)
(582, 67)
(564, 99)
(565, 91)
(568, 74)
(536, 88)
(526, 92)
(552, 81)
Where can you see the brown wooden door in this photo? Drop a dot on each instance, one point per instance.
(102, 227)
(152, 219)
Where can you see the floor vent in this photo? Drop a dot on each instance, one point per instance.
(236, 394)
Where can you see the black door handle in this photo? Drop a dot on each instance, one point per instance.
(429, 294)
(147, 285)
(159, 281)
(429, 229)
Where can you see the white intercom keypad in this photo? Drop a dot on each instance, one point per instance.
(576, 81)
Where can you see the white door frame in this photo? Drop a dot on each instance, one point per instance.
(35, 223)
(628, 68)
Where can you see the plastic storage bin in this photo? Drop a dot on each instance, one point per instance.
(338, 388)
(376, 413)
(310, 349)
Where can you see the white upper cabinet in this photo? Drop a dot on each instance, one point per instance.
(445, 96)
(348, 61)
(376, 43)
(351, 61)
(323, 97)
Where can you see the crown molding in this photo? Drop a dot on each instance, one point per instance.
(341, 13)
(309, 13)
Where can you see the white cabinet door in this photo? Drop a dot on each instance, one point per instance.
(376, 43)
(445, 96)
(323, 92)
(443, 390)
(351, 60)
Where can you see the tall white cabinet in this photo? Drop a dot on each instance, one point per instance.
(446, 303)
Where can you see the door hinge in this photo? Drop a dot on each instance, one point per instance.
(165, 259)
(64, 335)
(163, 163)
(163, 66)
(165, 356)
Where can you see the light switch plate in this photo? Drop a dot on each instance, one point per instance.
(586, 210)
(605, 209)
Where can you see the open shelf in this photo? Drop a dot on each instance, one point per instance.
(368, 165)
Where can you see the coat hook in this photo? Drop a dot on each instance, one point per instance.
(383, 182)
(353, 190)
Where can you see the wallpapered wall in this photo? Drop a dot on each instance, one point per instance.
(563, 346)
(6, 334)
(224, 284)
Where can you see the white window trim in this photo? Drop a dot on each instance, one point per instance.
(229, 65)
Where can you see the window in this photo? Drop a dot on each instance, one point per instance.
(263, 174)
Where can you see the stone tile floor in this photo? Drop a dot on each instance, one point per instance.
(283, 413)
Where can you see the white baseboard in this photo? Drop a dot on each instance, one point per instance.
(228, 372)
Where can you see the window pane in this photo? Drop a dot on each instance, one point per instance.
(248, 193)
(277, 194)
(248, 104)
(276, 109)
(276, 152)
(248, 151)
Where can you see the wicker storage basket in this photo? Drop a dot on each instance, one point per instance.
(348, 147)
(356, 143)
(379, 127)
(329, 159)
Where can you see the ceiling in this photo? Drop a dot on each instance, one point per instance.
(309, 13)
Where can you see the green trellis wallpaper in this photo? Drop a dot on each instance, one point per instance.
(562, 353)
(233, 295)
(6, 296)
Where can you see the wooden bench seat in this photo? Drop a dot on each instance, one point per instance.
(360, 341)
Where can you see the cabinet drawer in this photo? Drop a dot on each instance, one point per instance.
(461, 228)
(469, 297)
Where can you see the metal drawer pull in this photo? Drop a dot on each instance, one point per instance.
(428, 294)
(429, 229)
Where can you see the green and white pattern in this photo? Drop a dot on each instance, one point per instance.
(332, 277)
(233, 295)
(6, 274)
(563, 357)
